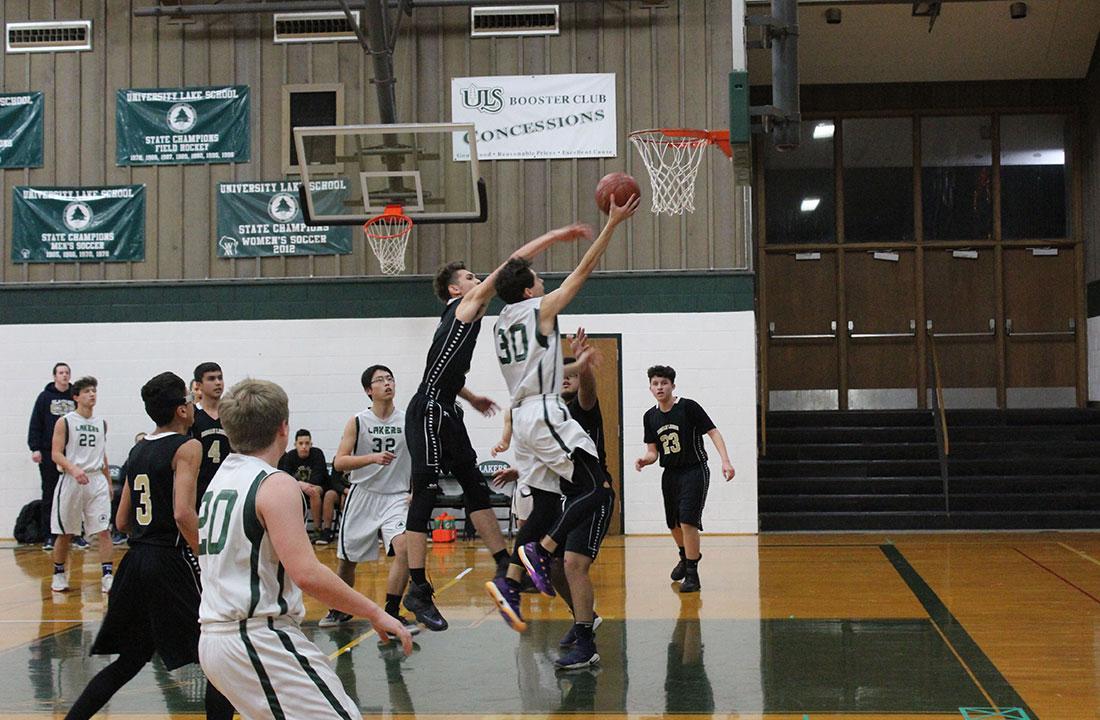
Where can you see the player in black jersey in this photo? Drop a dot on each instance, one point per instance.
(154, 601)
(434, 430)
(573, 559)
(207, 428)
(674, 431)
(571, 569)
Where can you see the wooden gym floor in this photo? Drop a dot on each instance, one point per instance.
(787, 627)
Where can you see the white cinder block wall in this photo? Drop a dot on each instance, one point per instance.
(318, 362)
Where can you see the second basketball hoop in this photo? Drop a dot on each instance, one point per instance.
(672, 157)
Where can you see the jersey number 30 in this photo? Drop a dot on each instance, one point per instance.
(513, 344)
(214, 518)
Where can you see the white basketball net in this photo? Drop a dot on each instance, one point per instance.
(388, 235)
(672, 163)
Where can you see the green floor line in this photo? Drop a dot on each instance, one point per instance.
(999, 689)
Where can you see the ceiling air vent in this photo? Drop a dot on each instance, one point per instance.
(314, 27)
(53, 36)
(512, 20)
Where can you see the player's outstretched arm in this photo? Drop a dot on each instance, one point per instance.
(482, 404)
(476, 301)
(185, 483)
(505, 436)
(122, 515)
(556, 301)
(649, 458)
(588, 359)
(278, 507)
(344, 461)
(720, 445)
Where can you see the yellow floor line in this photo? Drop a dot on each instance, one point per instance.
(367, 634)
(1081, 553)
(964, 666)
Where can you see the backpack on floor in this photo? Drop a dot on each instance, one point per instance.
(28, 526)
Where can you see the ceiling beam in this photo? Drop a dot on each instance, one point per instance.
(237, 8)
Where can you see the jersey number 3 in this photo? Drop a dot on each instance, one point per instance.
(214, 518)
(143, 508)
(513, 344)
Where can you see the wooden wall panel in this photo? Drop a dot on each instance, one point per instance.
(195, 200)
(656, 54)
(90, 132)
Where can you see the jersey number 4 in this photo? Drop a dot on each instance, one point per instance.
(214, 516)
(513, 344)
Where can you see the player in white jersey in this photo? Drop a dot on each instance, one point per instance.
(375, 456)
(83, 493)
(256, 561)
(548, 443)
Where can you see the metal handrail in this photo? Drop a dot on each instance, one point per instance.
(939, 416)
(1040, 333)
(809, 336)
(992, 332)
(854, 335)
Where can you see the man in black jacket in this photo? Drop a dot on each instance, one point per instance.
(53, 402)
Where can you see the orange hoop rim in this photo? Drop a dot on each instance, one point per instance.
(391, 224)
(665, 136)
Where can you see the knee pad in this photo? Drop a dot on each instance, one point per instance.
(475, 492)
(420, 511)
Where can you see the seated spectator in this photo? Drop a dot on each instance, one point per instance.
(307, 465)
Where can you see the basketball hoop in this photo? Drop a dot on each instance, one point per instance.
(672, 158)
(388, 233)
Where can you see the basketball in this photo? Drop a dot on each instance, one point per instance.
(619, 184)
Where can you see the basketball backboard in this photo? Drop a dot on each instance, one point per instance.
(350, 173)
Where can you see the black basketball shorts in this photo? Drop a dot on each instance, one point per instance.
(154, 602)
(436, 436)
(685, 493)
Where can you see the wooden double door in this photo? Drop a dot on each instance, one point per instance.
(855, 327)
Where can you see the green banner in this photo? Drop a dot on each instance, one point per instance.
(182, 126)
(21, 130)
(264, 218)
(58, 224)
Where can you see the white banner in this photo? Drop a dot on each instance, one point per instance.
(532, 117)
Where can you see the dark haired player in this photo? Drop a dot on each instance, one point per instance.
(375, 456)
(674, 431)
(436, 435)
(553, 452)
(154, 603)
(208, 425)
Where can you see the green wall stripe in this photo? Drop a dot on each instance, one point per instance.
(317, 298)
(1092, 294)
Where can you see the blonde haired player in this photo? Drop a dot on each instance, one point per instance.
(83, 493)
(256, 561)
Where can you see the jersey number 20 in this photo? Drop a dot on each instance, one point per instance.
(215, 510)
